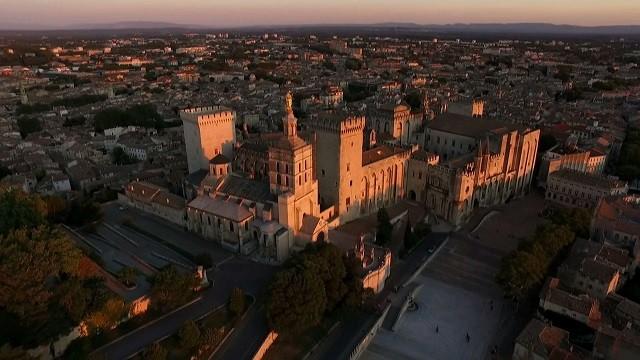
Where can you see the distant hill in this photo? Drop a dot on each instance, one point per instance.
(485, 28)
(533, 28)
(124, 25)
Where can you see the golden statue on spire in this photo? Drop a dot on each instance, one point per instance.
(288, 103)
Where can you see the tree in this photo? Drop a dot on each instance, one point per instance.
(18, 210)
(28, 125)
(547, 141)
(314, 283)
(127, 275)
(212, 337)
(578, 220)
(29, 260)
(353, 64)
(297, 300)
(171, 289)
(83, 212)
(525, 268)
(4, 171)
(74, 298)
(112, 311)
(414, 99)
(356, 294)
(409, 237)
(328, 263)
(155, 351)
(120, 157)
(144, 115)
(384, 228)
(189, 335)
(204, 259)
(57, 208)
(9, 353)
(237, 301)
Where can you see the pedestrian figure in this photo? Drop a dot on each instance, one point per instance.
(468, 338)
(437, 329)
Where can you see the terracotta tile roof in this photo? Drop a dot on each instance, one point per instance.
(598, 270)
(379, 153)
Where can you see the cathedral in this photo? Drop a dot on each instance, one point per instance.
(271, 214)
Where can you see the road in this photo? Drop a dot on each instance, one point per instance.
(230, 272)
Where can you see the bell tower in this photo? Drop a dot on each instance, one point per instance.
(289, 121)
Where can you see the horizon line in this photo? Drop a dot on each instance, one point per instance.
(170, 25)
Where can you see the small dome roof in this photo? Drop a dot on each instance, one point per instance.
(219, 160)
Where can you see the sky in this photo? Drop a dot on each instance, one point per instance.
(228, 13)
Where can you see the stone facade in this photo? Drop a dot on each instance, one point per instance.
(397, 120)
(481, 163)
(572, 188)
(208, 131)
(356, 182)
(271, 205)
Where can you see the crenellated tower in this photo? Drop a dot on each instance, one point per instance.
(339, 140)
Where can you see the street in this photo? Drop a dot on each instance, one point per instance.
(229, 272)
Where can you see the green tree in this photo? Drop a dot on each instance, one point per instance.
(547, 141)
(4, 171)
(127, 275)
(237, 301)
(112, 311)
(414, 99)
(384, 228)
(74, 298)
(18, 210)
(356, 294)
(28, 125)
(82, 212)
(353, 64)
(578, 220)
(409, 237)
(525, 269)
(155, 351)
(144, 115)
(9, 353)
(189, 335)
(297, 300)
(327, 262)
(120, 157)
(29, 260)
(171, 289)
(204, 259)
(212, 337)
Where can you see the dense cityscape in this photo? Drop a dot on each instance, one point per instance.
(319, 193)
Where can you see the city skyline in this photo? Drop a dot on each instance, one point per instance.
(42, 14)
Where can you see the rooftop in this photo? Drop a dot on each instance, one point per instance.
(245, 188)
(221, 207)
(587, 179)
(468, 126)
(380, 152)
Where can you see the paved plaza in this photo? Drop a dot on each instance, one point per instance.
(458, 290)
(455, 312)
